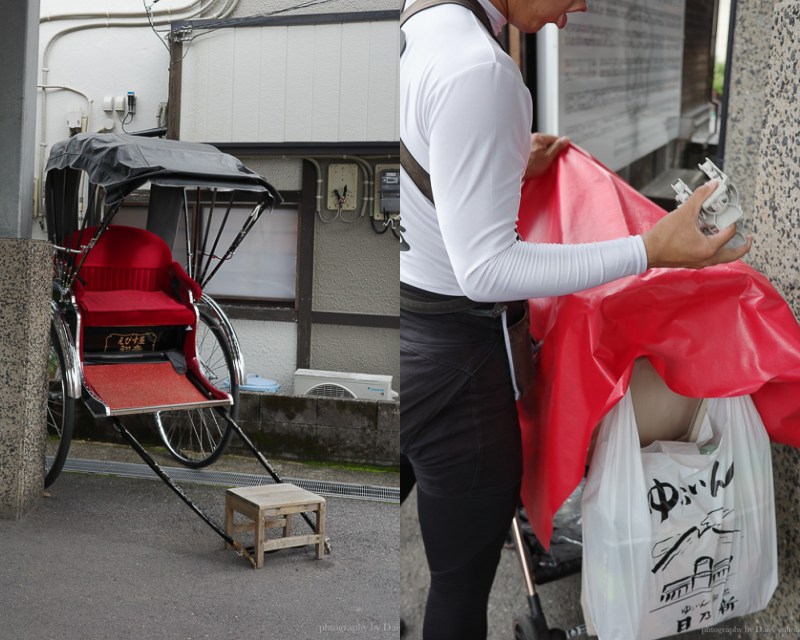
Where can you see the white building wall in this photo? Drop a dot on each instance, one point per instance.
(269, 7)
(307, 83)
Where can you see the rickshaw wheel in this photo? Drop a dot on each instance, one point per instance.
(525, 629)
(60, 412)
(198, 437)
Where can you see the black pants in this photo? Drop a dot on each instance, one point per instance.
(460, 443)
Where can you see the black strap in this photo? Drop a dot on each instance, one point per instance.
(425, 302)
(414, 170)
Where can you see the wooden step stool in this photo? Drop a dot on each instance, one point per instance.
(270, 506)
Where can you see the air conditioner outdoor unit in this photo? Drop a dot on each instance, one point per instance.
(338, 384)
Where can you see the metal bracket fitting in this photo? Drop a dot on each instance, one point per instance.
(721, 209)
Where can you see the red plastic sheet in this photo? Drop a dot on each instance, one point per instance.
(718, 332)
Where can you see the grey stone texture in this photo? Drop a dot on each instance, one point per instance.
(25, 275)
(776, 205)
(763, 134)
(747, 95)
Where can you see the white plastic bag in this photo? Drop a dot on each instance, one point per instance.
(678, 536)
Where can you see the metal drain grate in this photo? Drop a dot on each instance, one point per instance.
(232, 479)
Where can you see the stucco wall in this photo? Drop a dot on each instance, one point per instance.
(269, 349)
(358, 349)
(355, 269)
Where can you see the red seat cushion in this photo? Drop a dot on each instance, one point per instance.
(127, 279)
(131, 308)
(123, 248)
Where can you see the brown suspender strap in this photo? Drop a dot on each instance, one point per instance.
(418, 175)
(472, 5)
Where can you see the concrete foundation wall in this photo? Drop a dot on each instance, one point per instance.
(323, 429)
(25, 268)
(290, 427)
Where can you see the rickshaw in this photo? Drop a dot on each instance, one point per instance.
(132, 330)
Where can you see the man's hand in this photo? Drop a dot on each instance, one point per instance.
(544, 149)
(676, 239)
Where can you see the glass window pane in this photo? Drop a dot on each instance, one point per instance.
(265, 264)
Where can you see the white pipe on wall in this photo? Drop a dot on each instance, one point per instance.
(135, 20)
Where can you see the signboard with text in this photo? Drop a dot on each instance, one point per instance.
(611, 80)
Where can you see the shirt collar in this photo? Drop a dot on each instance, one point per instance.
(496, 18)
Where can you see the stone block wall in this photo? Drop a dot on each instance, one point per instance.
(322, 429)
(291, 427)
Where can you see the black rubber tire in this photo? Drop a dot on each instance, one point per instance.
(524, 629)
(60, 411)
(216, 429)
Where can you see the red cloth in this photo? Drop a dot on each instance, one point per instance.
(718, 332)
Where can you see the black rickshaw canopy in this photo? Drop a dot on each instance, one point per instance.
(120, 163)
(117, 164)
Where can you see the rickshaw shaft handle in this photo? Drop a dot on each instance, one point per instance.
(128, 437)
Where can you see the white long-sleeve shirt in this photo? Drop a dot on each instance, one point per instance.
(465, 115)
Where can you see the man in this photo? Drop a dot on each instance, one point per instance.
(465, 119)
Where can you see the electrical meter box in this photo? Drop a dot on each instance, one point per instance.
(342, 187)
(387, 191)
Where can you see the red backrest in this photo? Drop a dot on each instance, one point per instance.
(124, 258)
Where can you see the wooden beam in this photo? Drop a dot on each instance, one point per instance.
(174, 89)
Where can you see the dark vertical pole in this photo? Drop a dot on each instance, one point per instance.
(531, 76)
(305, 264)
(20, 46)
(174, 90)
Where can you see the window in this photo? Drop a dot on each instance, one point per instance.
(263, 267)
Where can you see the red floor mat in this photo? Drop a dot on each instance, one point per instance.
(127, 386)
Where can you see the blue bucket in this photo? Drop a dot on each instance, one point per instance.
(255, 382)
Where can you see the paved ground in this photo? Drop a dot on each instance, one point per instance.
(560, 600)
(123, 559)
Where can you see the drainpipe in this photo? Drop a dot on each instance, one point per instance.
(227, 8)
